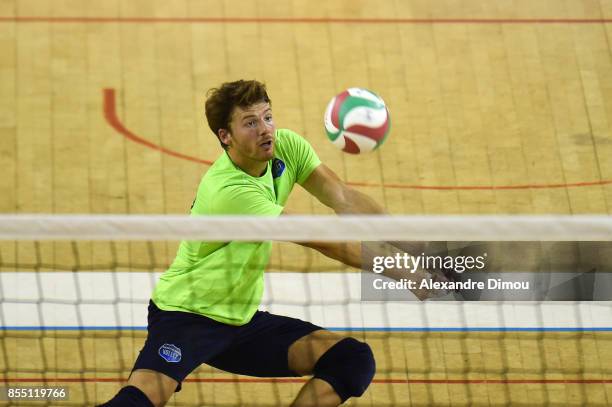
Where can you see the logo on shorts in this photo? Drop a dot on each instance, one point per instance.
(170, 353)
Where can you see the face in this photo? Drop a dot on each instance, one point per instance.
(251, 133)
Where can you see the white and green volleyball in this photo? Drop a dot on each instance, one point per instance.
(357, 121)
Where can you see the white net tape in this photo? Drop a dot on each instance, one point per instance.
(61, 294)
(306, 228)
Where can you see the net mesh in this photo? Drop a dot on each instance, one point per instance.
(73, 314)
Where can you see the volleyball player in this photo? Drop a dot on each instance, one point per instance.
(204, 308)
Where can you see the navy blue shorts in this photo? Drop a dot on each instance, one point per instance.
(179, 342)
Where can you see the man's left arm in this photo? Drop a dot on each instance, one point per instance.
(332, 192)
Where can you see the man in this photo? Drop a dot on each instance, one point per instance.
(204, 308)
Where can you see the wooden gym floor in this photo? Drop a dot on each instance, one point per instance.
(497, 107)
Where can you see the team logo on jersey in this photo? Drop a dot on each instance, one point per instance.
(278, 167)
(170, 353)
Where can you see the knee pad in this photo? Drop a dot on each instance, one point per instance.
(129, 396)
(348, 367)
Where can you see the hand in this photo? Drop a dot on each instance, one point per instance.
(424, 293)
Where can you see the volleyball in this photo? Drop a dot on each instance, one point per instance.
(357, 121)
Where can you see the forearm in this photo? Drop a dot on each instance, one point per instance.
(348, 253)
(324, 184)
(354, 253)
(355, 202)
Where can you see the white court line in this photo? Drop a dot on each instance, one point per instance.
(107, 299)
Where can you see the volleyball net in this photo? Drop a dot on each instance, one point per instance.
(536, 317)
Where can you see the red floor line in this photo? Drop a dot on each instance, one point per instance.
(110, 114)
(303, 380)
(483, 187)
(300, 20)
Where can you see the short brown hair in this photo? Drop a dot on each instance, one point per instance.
(221, 101)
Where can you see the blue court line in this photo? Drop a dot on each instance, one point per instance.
(343, 329)
(476, 329)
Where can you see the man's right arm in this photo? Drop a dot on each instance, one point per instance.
(350, 253)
